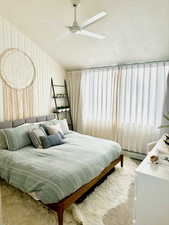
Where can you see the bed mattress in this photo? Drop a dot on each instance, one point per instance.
(55, 173)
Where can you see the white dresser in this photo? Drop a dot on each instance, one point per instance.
(152, 194)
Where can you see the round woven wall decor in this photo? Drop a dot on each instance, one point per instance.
(17, 69)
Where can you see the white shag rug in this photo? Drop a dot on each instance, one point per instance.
(18, 208)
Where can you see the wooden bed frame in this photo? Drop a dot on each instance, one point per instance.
(66, 202)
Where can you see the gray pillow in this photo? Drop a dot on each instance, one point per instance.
(35, 135)
(3, 144)
(51, 140)
(18, 137)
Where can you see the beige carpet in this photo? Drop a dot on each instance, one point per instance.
(106, 205)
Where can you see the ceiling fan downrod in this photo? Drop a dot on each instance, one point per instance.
(75, 26)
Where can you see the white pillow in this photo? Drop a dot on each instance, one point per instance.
(63, 124)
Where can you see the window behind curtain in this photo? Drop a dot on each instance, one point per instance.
(122, 103)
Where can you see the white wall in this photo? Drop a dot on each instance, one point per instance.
(45, 66)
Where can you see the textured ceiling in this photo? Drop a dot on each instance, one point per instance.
(136, 30)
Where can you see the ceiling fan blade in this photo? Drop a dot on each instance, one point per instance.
(62, 36)
(91, 34)
(93, 19)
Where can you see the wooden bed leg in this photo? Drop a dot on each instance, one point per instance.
(60, 212)
(122, 159)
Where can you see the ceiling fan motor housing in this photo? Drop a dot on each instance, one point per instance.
(75, 2)
(75, 27)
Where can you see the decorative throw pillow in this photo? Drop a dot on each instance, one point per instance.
(45, 127)
(51, 140)
(18, 137)
(35, 135)
(54, 129)
(3, 144)
(60, 133)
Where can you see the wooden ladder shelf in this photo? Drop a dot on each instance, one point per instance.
(64, 108)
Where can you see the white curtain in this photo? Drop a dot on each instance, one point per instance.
(121, 103)
(74, 88)
(141, 104)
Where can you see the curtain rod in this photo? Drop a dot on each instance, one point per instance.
(118, 65)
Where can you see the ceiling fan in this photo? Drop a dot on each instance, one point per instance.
(80, 29)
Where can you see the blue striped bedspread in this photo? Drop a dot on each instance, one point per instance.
(57, 172)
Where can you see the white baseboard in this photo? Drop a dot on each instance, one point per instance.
(134, 155)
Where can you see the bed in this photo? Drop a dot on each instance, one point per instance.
(60, 175)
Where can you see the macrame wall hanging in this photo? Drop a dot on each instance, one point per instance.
(18, 74)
